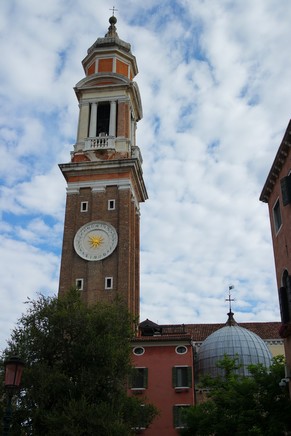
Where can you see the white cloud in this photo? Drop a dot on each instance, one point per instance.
(25, 271)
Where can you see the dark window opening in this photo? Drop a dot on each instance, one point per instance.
(179, 415)
(139, 378)
(277, 216)
(181, 349)
(138, 351)
(285, 298)
(79, 284)
(103, 116)
(286, 190)
(108, 282)
(182, 376)
(111, 204)
(84, 206)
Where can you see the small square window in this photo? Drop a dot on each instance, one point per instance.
(111, 204)
(179, 415)
(108, 282)
(142, 420)
(84, 206)
(277, 216)
(182, 376)
(80, 284)
(139, 378)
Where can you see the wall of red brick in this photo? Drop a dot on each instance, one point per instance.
(121, 264)
(281, 240)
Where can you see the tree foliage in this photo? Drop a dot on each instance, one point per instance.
(240, 406)
(77, 362)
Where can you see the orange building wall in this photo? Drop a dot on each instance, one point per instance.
(159, 360)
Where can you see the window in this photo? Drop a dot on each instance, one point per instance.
(181, 349)
(286, 190)
(138, 351)
(179, 415)
(141, 420)
(103, 115)
(111, 204)
(285, 298)
(182, 376)
(84, 206)
(108, 282)
(139, 378)
(80, 284)
(277, 216)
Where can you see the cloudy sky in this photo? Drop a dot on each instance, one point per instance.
(214, 77)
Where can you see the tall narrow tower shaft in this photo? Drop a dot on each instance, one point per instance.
(101, 244)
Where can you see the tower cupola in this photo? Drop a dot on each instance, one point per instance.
(109, 101)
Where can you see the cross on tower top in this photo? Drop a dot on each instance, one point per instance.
(113, 10)
(229, 299)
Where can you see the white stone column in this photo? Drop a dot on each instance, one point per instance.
(93, 121)
(132, 130)
(112, 120)
(83, 122)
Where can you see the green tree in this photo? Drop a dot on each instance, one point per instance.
(77, 362)
(242, 406)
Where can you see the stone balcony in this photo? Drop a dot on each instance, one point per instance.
(102, 142)
(106, 142)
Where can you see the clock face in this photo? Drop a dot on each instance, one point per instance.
(95, 240)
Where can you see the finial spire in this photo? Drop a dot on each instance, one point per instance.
(112, 29)
(231, 321)
(229, 299)
(113, 10)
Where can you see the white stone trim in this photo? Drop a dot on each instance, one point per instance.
(98, 189)
(101, 185)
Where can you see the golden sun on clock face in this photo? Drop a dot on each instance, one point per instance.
(95, 241)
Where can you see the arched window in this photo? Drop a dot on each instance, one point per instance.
(285, 298)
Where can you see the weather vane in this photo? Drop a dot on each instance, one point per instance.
(229, 299)
(113, 10)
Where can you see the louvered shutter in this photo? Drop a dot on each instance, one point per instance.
(176, 415)
(145, 378)
(174, 376)
(286, 190)
(189, 376)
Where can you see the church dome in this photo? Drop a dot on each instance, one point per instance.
(233, 341)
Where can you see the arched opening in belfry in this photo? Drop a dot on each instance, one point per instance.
(103, 117)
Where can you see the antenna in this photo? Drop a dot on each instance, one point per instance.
(229, 299)
(113, 10)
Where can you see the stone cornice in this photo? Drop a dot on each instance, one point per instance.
(100, 174)
(278, 163)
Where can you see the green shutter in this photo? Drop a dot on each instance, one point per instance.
(189, 376)
(175, 415)
(174, 377)
(138, 378)
(145, 378)
(286, 190)
(130, 378)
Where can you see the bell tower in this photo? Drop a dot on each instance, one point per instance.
(100, 253)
